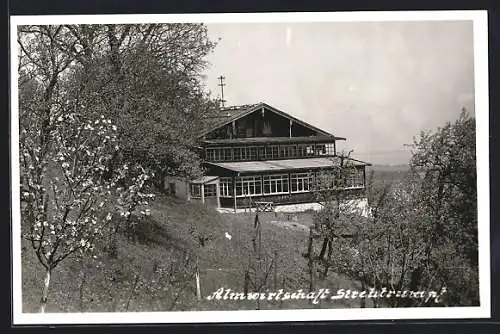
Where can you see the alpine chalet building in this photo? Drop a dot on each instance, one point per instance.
(259, 156)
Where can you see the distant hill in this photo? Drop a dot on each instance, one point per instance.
(387, 172)
(380, 167)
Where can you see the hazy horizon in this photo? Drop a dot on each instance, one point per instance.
(377, 84)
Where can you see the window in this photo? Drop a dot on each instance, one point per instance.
(320, 149)
(226, 187)
(244, 153)
(241, 153)
(262, 152)
(353, 178)
(215, 154)
(276, 184)
(301, 182)
(252, 152)
(305, 150)
(283, 153)
(356, 179)
(225, 154)
(325, 149)
(301, 151)
(248, 186)
(237, 153)
(310, 150)
(278, 151)
(210, 154)
(195, 190)
(210, 190)
(325, 179)
(330, 149)
(272, 152)
(219, 154)
(228, 154)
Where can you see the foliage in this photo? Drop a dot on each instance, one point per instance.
(89, 95)
(335, 218)
(145, 77)
(421, 234)
(446, 161)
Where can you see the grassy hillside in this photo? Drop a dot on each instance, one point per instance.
(155, 265)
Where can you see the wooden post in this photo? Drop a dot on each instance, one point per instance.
(290, 128)
(260, 238)
(217, 192)
(233, 125)
(289, 184)
(198, 285)
(364, 176)
(202, 189)
(246, 199)
(363, 300)
(275, 273)
(234, 193)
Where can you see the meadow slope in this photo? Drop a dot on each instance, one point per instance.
(154, 266)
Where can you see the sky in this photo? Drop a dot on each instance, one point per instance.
(378, 84)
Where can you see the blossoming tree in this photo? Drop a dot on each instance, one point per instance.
(66, 147)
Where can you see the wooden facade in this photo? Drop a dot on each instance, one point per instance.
(261, 154)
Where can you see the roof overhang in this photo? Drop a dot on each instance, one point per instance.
(284, 165)
(205, 179)
(272, 140)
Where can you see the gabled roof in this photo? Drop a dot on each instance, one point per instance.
(227, 115)
(223, 117)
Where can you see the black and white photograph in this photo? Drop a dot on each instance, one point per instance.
(250, 167)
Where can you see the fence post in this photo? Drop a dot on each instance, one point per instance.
(197, 276)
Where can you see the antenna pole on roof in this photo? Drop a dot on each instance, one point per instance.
(221, 85)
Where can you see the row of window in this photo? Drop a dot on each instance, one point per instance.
(210, 190)
(280, 184)
(352, 179)
(268, 152)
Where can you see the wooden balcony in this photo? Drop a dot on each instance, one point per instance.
(290, 148)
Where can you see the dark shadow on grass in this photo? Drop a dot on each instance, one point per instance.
(148, 231)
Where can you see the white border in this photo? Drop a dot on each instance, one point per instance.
(479, 19)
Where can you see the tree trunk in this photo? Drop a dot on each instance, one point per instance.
(323, 248)
(246, 283)
(328, 259)
(310, 255)
(132, 291)
(82, 286)
(45, 291)
(113, 245)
